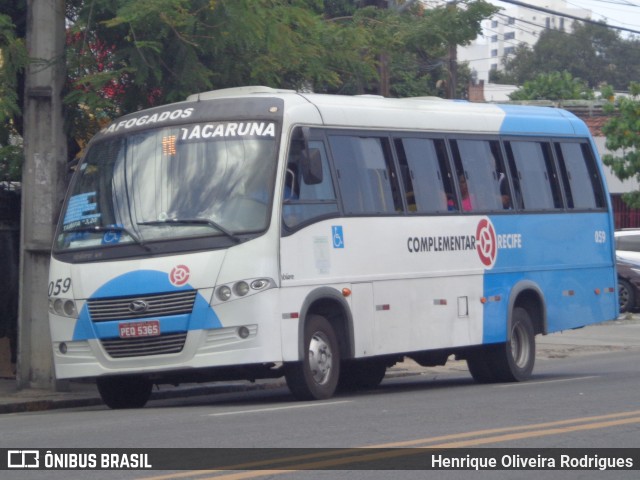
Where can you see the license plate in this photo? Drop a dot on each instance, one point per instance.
(148, 328)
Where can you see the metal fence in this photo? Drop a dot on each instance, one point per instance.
(624, 216)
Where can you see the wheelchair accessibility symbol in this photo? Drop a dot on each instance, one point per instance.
(337, 236)
(112, 236)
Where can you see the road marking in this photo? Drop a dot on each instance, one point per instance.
(524, 384)
(332, 459)
(274, 409)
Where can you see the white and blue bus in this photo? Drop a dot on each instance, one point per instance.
(257, 233)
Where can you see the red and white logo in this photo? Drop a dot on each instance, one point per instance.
(179, 275)
(486, 242)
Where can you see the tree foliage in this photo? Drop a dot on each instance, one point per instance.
(595, 53)
(125, 55)
(623, 139)
(13, 58)
(554, 86)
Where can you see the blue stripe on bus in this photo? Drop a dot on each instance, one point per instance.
(546, 259)
(145, 282)
(520, 119)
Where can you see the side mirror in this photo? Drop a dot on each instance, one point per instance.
(311, 166)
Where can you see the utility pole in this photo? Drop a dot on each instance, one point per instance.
(385, 79)
(453, 58)
(453, 70)
(42, 186)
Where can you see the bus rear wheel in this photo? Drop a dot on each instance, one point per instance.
(511, 361)
(514, 360)
(316, 376)
(479, 363)
(124, 392)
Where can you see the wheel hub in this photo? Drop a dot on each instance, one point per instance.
(320, 358)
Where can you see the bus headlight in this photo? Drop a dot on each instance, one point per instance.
(242, 288)
(223, 293)
(65, 307)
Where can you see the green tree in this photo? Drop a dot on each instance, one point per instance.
(130, 54)
(623, 139)
(595, 53)
(124, 55)
(553, 86)
(13, 59)
(413, 45)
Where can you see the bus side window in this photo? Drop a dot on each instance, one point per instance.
(580, 177)
(303, 202)
(480, 174)
(534, 175)
(366, 177)
(424, 173)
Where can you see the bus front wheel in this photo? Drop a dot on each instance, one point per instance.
(124, 392)
(316, 376)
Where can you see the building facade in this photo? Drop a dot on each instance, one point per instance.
(512, 26)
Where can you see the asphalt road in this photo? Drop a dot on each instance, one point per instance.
(581, 396)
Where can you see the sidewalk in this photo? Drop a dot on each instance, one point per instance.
(621, 334)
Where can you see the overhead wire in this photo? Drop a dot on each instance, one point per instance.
(567, 15)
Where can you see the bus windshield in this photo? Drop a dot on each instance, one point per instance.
(169, 183)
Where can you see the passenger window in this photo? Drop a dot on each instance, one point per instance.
(580, 177)
(303, 202)
(534, 176)
(481, 175)
(366, 177)
(425, 174)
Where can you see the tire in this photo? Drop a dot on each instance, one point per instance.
(361, 374)
(625, 296)
(480, 367)
(513, 361)
(316, 376)
(124, 392)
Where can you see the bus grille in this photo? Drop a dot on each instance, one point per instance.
(124, 308)
(140, 347)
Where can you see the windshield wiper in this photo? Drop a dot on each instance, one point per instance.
(112, 228)
(195, 221)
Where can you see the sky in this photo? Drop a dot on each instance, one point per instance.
(622, 13)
